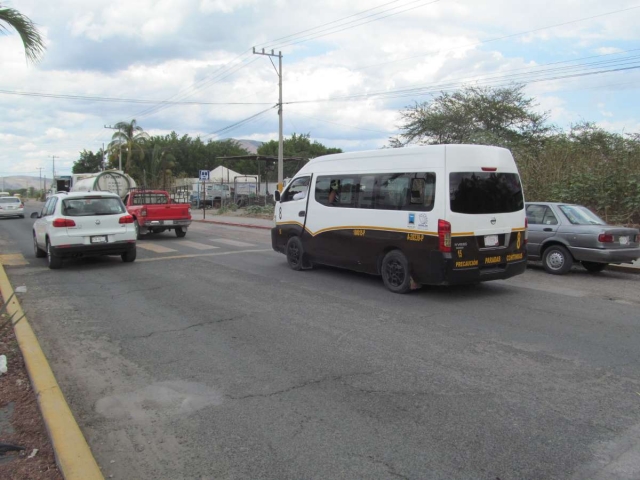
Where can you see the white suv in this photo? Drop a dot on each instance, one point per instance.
(80, 224)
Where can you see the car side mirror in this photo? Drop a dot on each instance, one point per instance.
(276, 196)
(35, 215)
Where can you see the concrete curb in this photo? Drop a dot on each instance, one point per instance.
(624, 269)
(246, 225)
(73, 456)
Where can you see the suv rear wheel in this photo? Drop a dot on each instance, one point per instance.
(129, 256)
(37, 250)
(54, 262)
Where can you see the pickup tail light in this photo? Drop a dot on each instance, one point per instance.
(126, 219)
(143, 212)
(605, 238)
(444, 236)
(63, 223)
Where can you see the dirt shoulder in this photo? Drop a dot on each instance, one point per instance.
(21, 423)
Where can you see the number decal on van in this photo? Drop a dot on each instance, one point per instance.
(359, 232)
(280, 213)
(415, 237)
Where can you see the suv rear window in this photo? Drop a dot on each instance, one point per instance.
(485, 192)
(9, 200)
(86, 206)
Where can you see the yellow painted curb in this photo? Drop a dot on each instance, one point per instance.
(73, 456)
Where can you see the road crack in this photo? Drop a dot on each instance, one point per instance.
(173, 330)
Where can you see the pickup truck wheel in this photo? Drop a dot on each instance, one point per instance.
(137, 227)
(129, 256)
(557, 260)
(180, 232)
(594, 267)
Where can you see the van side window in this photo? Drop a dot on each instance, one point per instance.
(336, 190)
(366, 198)
(297, 190)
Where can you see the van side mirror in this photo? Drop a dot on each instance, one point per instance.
(35, 215)
(276, 196)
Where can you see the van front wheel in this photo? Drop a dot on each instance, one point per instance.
(396, 274)
(295, 253)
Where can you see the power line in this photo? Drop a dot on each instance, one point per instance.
(497, 38)
(239, 123)
(122, 100)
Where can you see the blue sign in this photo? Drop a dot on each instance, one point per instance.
(412, 219)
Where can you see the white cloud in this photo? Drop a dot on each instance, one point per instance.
(608, 50)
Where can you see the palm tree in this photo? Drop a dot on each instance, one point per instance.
(131, 138)
(160, 167)
(33, 43)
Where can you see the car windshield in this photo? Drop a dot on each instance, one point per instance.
(87, 206)
(581, 215)
(9, 200)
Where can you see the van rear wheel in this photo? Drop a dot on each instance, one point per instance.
(396, 274)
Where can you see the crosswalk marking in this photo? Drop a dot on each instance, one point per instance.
(13, 259)
(154, 247)
(196, 245)
(233, 243)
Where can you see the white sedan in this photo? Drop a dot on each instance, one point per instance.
(11, 207)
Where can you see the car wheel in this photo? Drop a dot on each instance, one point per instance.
(396, 273)
(129, 256)
(557, 260)
(136, 225)
(39, 253)
(594, 267)
(54, 262)
(180, 232)
(295, 253)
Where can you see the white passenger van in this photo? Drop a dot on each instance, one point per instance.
(441, 214)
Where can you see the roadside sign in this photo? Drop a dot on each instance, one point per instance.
(204, 174)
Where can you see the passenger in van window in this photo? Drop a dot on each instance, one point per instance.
(334, 198)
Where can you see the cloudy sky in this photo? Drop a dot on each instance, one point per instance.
(349, 67)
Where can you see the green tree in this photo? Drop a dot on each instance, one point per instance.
(32, 192)
(485, 116)
(131, 139)
(160, 168)
(88, 162)
(296, 146)
(31, 39)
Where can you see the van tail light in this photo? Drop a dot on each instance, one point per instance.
(126, 219)
(526, 230)
(489, 169)
(444, 235)
(143, 212)
(63, 223)
(605, 238)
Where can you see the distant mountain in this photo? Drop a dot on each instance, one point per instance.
(21, 181)
(249, 145)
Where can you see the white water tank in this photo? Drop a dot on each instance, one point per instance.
(113, 181)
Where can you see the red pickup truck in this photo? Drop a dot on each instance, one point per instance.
(153, 211)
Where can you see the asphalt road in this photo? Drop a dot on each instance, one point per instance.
(208, 358)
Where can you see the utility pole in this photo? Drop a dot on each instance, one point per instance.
(280, 141)
(119, 147)
(53, 159)
(40, 182)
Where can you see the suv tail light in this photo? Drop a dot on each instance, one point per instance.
(143, 212)
(126, 219)
(605, 238)
(444, 235)
(63, 222)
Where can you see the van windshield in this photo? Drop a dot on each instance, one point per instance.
(485, 192)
